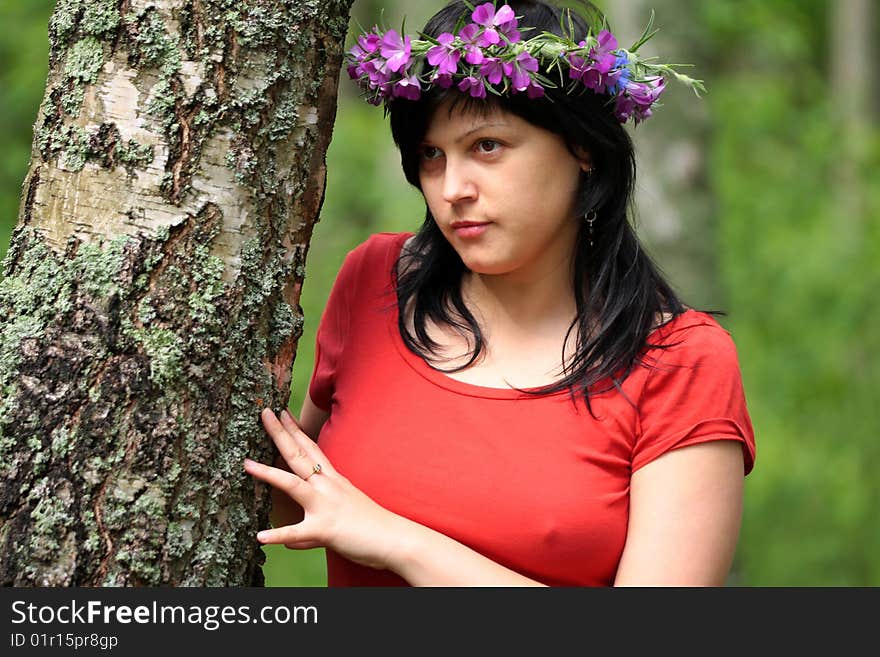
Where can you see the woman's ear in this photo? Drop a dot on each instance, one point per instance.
(584, 158)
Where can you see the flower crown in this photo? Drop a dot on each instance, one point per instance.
(489, 55)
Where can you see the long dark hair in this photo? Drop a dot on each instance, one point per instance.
(619, 291)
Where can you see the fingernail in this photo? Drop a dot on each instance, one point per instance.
(262, 536)
(286, 413)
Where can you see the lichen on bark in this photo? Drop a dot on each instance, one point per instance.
(152, 285)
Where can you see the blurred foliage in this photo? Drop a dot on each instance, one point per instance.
(799, 256)
(24, 62)
(795, 251)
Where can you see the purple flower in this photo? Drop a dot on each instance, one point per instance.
(444, 55)
(354, 59)
(442, 79)
(354, 71)
(601, 69)
(579, 66)
(645, 95)
(407, 87)
(503, 21)
(474, 86)
(468, 34)
(357, 54)
(637, 99)
(370, 42)
(376, 71)
(367, 45)
(603, 61)
(534, 90)
(493, 70)
(396, 50)
(592, 79)
(518, 70)
(605, 55)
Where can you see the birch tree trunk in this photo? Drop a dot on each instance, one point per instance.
(150, 304)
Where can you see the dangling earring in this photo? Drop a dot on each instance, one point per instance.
(590, 218)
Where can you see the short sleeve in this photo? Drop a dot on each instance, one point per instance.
(694, 394)
(331, 332)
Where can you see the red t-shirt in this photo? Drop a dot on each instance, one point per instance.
(533, 483)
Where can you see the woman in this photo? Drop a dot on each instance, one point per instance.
(513, 395)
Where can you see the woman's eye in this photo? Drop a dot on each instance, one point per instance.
(487, 146)
(430, 153)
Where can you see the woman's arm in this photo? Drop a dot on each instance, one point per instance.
(684, 517)
(312, 418)
(339, 516)
(425, 557)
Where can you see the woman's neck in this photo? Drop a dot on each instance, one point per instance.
(529, 303)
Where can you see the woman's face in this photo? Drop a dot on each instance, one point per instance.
(501, 190)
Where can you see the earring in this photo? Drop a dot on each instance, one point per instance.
(590, 218)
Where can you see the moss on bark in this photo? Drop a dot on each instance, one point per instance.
(134, 363)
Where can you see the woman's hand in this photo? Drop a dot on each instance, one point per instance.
(284, 510)
(336, 514)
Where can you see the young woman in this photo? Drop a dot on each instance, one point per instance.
(513, 395)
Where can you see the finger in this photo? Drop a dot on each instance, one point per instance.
(304, 545)
(298, 489)
(287, 536)
(308, 445)
(292, 450)
(295, 537)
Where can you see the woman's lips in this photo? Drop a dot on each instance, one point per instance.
(469, 230)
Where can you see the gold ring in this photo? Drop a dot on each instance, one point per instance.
(316, 469)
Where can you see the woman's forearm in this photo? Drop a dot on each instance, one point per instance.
(341, 517)
(424, 557)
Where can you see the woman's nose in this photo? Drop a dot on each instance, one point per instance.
(458, 184)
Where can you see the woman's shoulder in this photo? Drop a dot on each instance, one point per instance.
(374, 252)
(693, 335)
(382, 243)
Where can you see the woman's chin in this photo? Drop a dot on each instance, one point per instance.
(485, 267)
(484, 259)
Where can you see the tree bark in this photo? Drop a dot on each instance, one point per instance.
(150, 303)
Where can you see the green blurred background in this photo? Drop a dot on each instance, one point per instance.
(756, 200)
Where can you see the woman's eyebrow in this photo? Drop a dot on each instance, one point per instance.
(461, 138)
(482, 126)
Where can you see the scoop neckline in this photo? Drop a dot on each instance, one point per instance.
(439, 379)
(422, 368)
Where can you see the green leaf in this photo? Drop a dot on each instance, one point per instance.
(646, 35)
(360, 27)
